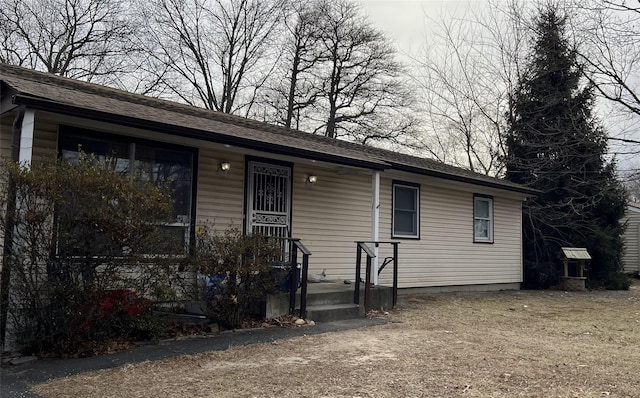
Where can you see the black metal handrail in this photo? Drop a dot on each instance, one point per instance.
(296, 245)
(362, 246)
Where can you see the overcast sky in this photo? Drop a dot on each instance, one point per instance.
(406, 22)
(402, 21)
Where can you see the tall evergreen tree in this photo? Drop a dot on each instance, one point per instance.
(556, 145)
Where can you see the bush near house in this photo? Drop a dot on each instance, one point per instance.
(87, 253)
(239, 271)
(78, 237)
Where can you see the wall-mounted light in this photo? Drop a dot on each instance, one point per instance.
(311, 179)
(224, 168)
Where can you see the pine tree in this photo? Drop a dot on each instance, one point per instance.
(556, 145)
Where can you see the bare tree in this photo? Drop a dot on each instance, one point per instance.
(292, 90)
(81, 39)
(464, 74)
(339, 77)
(304, 56)
(361, 79)
(211, 53)
(631, 180)
(608, 34)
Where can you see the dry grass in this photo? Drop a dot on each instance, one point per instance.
(508, 344)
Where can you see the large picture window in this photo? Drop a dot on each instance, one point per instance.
(482, 219)
(406, 210)
(170, 166)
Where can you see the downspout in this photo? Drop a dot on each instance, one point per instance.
(27, 127)
(375, 222)
(5, 277)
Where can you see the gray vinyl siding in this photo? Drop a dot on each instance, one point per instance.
(329, 216)
(45, 139)
(631, 258)
(219, 201)
(334, 213)
(6, 135)
(445, 254)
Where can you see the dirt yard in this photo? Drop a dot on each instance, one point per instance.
(507, 344)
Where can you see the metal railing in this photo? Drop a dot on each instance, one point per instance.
(362, 246)
(295, 246)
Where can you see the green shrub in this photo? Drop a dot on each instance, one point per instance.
(618, 281)
(240, 268)
(76, 231)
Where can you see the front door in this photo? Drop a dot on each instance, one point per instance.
(268, 199)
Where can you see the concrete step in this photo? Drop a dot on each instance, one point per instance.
(332, 312)
(328, 298)
(328, 295)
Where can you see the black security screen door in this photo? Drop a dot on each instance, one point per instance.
(269, 200)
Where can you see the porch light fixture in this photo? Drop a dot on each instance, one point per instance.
(312, 179)
(224, 168)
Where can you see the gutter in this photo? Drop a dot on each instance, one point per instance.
(469, 180)
(184, 131)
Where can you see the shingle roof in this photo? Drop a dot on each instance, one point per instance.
(78, 98)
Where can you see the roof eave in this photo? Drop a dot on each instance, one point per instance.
(184, 131)
(6, 99)
(454, 177)
(226, 139)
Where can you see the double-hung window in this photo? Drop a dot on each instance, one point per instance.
(406, 210)
(160, 164)
(482, 219)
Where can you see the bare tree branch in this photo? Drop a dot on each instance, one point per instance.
(361, 79)
(212, 53)
(608, 34)
(465, 73)
(81, 39)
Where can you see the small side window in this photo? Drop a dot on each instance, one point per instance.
(406, 211)
(482, 219)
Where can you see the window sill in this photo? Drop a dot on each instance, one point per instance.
(410, 237)
(485, 241)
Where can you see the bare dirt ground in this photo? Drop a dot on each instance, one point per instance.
(507, 344)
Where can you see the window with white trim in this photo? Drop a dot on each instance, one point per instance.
(406, 210)
(482, 219)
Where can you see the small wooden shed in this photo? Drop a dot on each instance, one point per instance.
(575, 260)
